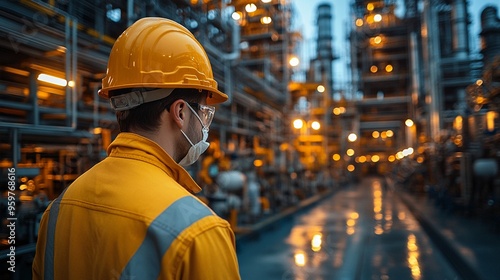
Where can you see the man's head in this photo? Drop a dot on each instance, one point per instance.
(160, 82)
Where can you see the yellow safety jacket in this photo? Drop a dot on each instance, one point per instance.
(133, 216)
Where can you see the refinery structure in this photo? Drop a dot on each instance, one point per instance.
(419, 101)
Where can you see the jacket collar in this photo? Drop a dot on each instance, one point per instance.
(131, 145)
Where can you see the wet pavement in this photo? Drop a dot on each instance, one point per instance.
(473, 241)
(363, 231)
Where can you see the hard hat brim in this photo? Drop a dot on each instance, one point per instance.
(216, 97)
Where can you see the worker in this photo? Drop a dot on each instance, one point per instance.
(254, 195)
(134, 215)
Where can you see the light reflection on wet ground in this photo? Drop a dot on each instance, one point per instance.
(360, 232)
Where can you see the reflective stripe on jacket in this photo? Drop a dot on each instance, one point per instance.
(133, 216)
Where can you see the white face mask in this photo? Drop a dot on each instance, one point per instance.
(197, 149)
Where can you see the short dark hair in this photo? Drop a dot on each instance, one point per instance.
(146, 116)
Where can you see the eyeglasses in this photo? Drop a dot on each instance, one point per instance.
(207, 115)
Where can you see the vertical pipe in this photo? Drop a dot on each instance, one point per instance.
(461, 101)
(16, 151)
(433, 85)
(67, 67)
(95, 113)
(223, 137)
(130, 12)
(433, 100)
(415, 87)
(33, 93)
(324, 50)
(74, 56)
(99, 21)
(460, 29)
(415, 74)
(286, 69)
(228, 86)
(267, 65)
(228, 58)
(324, 53)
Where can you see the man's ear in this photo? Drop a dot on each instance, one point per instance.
(177, 113)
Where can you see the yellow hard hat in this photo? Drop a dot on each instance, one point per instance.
(159, 53)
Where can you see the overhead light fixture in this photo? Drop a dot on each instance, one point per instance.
(294, 61)
(409, 123)
(236, 15)
(250, 8)
(52, 80)
(352, 137)
(55, 80)
(265, 20)
(298, 123)
(316, 125)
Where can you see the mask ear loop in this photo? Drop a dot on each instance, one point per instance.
(203, 128)
(189, 140)
(198, 117)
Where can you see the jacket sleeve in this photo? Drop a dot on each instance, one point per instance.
(212, 255)
(39, 261)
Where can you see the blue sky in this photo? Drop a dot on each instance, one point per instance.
(305, 22)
